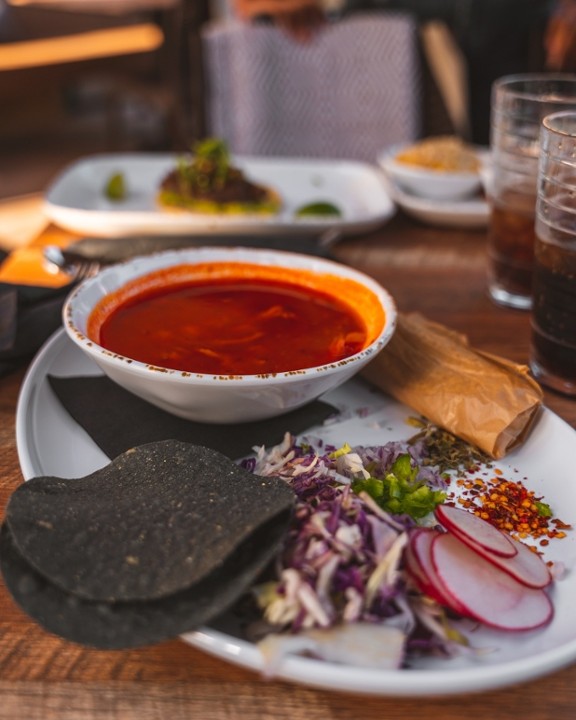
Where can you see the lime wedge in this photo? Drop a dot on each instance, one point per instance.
(318, 209)
(115, 187)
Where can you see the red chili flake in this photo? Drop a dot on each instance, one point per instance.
(508, 505)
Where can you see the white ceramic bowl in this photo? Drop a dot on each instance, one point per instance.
(236, 398)
(430, 184)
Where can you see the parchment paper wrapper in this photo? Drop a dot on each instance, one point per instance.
(483, 399)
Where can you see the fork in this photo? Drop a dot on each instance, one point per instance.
(75, 265)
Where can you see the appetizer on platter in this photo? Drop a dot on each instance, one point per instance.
(207, 182)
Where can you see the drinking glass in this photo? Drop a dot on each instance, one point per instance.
(519, 102)
(553, 350)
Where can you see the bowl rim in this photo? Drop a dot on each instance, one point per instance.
(145, 264)
(387, 160)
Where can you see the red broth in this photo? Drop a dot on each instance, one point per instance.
(233, 326)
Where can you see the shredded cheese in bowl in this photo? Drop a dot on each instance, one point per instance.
(445, 153)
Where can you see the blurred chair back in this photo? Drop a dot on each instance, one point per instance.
(348, 93)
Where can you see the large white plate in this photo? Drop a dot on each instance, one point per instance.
(76, 199)
(50, 443)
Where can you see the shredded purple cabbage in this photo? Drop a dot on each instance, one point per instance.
(342, 560)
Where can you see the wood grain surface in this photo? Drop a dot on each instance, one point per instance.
(435, 271)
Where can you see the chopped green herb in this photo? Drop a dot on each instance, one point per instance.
(209, 167)
(543, 509)
(400, 492)
(341, 451)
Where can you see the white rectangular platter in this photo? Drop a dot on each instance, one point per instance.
(76, 199)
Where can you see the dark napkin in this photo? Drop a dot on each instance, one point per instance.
(28, 316)
(117, 420)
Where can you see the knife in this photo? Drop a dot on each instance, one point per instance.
(113, 250)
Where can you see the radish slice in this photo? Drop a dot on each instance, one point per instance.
(526, 566)
(413, 565)
(485, 592)
(424, 573)
(472, 529)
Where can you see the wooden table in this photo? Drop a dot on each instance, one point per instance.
(438, 272)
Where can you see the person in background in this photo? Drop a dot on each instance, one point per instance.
(496, 37)
(298, 18)
(560, 37)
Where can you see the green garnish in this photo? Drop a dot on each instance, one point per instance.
(400, 492)
(543, 508)
(115, 188)
(208, 169)
(318, 209)
(344, 450)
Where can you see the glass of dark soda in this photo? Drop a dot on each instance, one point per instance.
(519, 102)
(553, 352)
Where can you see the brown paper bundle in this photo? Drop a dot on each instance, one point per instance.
(483, 399)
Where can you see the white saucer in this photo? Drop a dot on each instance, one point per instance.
(467, 213)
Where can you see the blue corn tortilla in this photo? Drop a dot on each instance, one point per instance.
(158, 542)
(156, 520)
(123, 625)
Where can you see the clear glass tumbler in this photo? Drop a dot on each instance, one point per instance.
(553, 352)
(519, 102)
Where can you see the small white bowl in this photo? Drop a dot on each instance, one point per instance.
(427, 183)
(235, 398)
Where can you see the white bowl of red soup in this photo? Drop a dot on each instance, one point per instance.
(226, 335)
